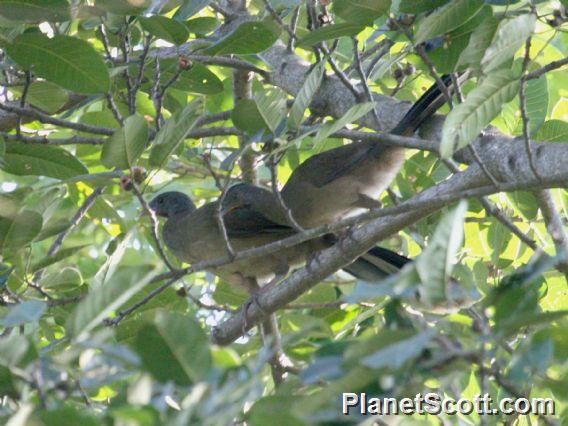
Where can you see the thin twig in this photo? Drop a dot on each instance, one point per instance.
(293, 27)
(555, 227)
(274, 183)
(548, 67)
(23, 100)
(114, 108)
(278, 19)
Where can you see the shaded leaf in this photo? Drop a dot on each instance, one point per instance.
(41, 160)
(124, 7)
(418, 6)
(536, 95)
(165, 28)
(360, 11)
(353, 114)
(247, 117)
(20, 230)
(68, 61)
(435, 263)
(103, 300)
(511, 35)
(67, 279)
(447, 18)
(396, 355)
(198, 79)
(35, 11)
(174, 348)
(173, 133)
(48, 97)
(26, 312)
(124, 147)
(67, 416)
(479, 41)
(330, 32)
(190, 8)
(482, 105)
(202, 25)
(59, 256)
(248, 38)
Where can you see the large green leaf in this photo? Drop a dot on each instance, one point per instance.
(174, 348)
(536, 95)
(29, 311)
(553, 131)
(511, 35)
(190, 8)
(418, 6)
(479, 41)
(305, 95)
(436, 262)
(127, 144)
(449, 17)
(68, 61)
(124, 7)
(41, 160)
(198, 79)
(165, 28)
(271, 106)
(246, 117)
(35, 11)
(103, 300)
(330, 32)
(361, 11)
(19, 230)
(47, 96)
(482, 105)
(248, 38)
(173, 133)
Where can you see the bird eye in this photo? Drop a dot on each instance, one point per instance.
(160, 201)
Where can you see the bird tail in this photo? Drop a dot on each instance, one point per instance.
(430, 102)
(376, 265)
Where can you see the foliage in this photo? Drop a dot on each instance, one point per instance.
(144, 100)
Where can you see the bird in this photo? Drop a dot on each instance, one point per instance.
(193, 234)
(347, 180)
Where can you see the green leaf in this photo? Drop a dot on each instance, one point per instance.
(202, 25)
(479, 41)
(436, 262)
(41, 160)
(174, 348)
(449, 17)
(190, 8)
(330, 32)
(198, 79)
(26, 312)
(482, 105)
(69, 62)
(67, 416)
(47, 96)
(536, 96)
(418, 6)
(103, 300)
(511, 35)
(353, 114)
(271, 106)
(165, 28)
(305, 95)
(35, 11)
(396, 355)
(248, 38)
(246, 117)
(59, 256)
(360, 11)
(173, 133)
(124, 147)
(553, 131)
(17, 232)
(2, 152)
(67, 279)
(124, 7)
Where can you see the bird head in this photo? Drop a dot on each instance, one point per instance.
(169, 204)
(238, 196)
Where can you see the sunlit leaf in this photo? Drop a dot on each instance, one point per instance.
(305, 95)
(20, 230)
(165, 28)
(249, 37)
(330, 32)
(360, 11)
(35, 11)
(553, 131)
(127, 144)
